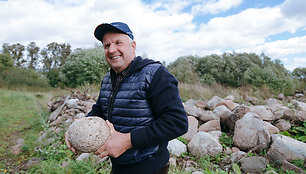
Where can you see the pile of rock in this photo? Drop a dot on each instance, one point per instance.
(254, 127)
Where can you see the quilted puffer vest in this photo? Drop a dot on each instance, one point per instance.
(127, 107)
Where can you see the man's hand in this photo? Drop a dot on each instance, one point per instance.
(68, 143)
(116, 144)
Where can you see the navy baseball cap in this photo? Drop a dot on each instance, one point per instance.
(112, 27)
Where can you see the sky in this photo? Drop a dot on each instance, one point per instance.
(166, 29)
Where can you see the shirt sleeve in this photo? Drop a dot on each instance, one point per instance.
(171, 119)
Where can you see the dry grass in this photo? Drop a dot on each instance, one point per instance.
(206, 92)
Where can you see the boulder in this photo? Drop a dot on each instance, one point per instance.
(301, 106)
(295, 115)
(254, 164)
(72, 103)
(241, 110)
(212, 125)
(263, 112)
(176, 147)
(204, 144)
(272, 129)
(207, 115)
(291, 148)
(88, 134)
(282, 125)
(211, 104)
(228, 103)
(250, 132)
(192, 128)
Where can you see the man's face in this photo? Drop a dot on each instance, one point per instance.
(119, 50)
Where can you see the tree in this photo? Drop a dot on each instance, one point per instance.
(15, 51)
(33, 55)
(55, 55)
(84, 66)
(299, 73)
(6, 62)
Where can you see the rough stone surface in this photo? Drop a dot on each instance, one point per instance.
(204, 144)
(254, 164)
(241, 110)
(291, 148)
(88, 134)
(228, 103)
(272, 129)
(207, 115)
(282, 125)
(212, 125)
(250, 132)
(236, 156)
(32, 162)
(213, 102)
(192, 128)
(263, 112)
(176, 147)
(301, 106)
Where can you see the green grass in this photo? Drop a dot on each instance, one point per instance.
(19, 118)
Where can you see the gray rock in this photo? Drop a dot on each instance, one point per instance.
(176, 147)
(207, 115)
(286, 166)
(213, 102)
(263, 112)
(16, 150)
(272, 129)
(204, 144)
(230, 97)
(192, 128)
(32, 162)
(275, 157)
(83, 157)
(172, 161)
(236, 156)
(88, 134)
(291, 148)
(212, 125)
(281, 96)
(282, 125)
(80, 115)
(72, 103)
(192, 110)
(254, 164)
(250, 132)
(241, 110)
(301, 106)
(295, 115)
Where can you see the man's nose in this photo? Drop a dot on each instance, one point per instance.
(112, 48)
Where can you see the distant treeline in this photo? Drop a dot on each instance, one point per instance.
(57, 65)
(239, 69)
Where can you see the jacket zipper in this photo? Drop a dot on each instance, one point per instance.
(111, 100)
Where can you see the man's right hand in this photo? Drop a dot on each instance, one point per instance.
(68, 143)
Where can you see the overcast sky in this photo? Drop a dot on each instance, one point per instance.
(166, 29)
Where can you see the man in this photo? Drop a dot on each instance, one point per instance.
(139, 99)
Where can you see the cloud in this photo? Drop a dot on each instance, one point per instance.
(294, 9)
(214, 6)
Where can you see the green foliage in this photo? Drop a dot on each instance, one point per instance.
(15, 51)
(225, 140)
(184, 69)
(18, 77)
(236, 168)
(299, 132)
(183, 140)
(6, 62)
(85, 66)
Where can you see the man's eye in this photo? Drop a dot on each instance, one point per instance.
(106, 46)
(118, 43)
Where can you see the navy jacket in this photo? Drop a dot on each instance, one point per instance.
(147, 104)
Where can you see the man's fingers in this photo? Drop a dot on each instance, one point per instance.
(103, 154)
(111, 126)
(100, 150)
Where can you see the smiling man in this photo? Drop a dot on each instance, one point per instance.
(140, 100)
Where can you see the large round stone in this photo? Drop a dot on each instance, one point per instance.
(88, 134)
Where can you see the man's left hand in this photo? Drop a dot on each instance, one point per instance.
(116, 144)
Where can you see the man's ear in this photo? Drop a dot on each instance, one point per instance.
(134, 45)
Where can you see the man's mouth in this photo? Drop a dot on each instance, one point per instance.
(114, 57)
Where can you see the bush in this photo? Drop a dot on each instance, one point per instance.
(84, 66)
(16, 77)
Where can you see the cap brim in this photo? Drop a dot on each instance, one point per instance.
(104, 28)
